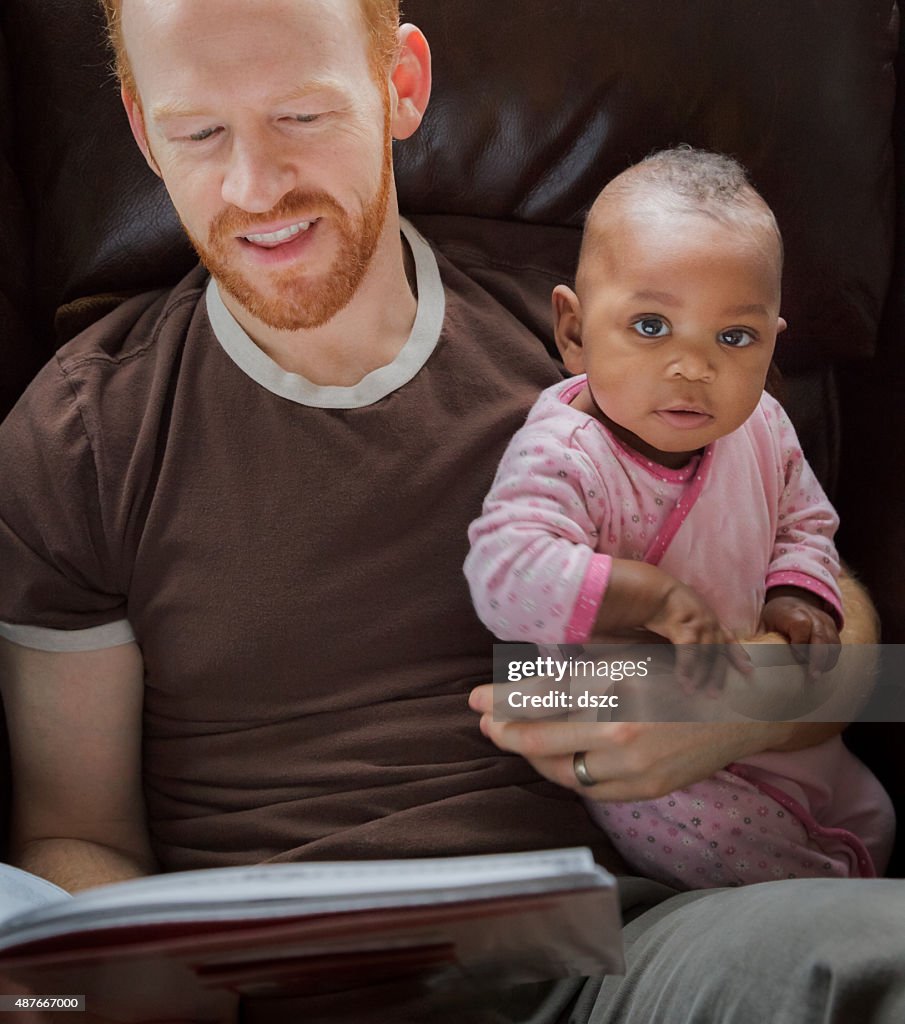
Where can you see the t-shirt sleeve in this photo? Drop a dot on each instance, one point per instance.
(804, 554)
(532, 568)
(60, 586)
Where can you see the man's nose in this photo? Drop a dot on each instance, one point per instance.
(258, 175)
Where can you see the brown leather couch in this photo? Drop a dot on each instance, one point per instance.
(536, 104)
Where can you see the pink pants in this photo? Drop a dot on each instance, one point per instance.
(804, 814)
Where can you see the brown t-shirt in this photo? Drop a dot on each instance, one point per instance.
(289, 560)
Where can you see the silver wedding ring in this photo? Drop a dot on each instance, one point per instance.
(580, 767)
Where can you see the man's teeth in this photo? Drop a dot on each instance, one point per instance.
(281, 235)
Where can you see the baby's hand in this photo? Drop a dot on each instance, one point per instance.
(800, 616)
(643, 597)
(702, 642)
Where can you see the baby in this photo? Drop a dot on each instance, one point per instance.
(662, 489)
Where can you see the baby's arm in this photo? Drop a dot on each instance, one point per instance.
(533, 570)
(535, 575)
(803, 602)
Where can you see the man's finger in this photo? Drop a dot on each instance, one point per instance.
(549, 739)
(481, 698)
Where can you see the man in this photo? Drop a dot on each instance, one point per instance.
(236, 626)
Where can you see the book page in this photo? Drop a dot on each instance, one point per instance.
(21, 891)
(274, 890)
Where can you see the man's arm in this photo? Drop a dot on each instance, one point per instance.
(74, 724)
(646, 760)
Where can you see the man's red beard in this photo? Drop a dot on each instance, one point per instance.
(295, 299)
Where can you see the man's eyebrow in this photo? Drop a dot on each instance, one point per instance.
(164, 111)
(178, 108)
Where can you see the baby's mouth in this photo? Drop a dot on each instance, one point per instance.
(685, 418)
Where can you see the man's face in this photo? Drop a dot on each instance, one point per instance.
(273, 139)
(678, 323)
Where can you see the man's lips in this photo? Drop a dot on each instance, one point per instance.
(272, 237)
(279, 245)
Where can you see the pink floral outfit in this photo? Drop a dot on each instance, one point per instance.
(745, 515)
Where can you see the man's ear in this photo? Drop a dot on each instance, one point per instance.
(411, 81)
(137, 123)
(567, 328)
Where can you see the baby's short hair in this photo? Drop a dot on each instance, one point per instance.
(698, 176)
(687, 180)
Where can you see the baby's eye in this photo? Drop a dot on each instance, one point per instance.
(651, 327)
(736, 337)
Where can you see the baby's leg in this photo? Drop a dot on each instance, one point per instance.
(725, 831)
(840, 793)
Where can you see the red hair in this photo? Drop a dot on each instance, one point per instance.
(381, 18)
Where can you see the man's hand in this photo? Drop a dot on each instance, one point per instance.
(631, 760)
(801, 618)
(638, 760)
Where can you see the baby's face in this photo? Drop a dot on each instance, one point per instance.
(678, 322)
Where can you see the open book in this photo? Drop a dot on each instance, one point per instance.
(187, 945)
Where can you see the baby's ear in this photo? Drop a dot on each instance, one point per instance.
(567, 328)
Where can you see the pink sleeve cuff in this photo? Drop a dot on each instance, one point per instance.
(805, 582)
(587, 604)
